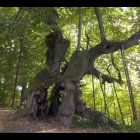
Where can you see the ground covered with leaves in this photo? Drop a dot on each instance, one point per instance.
(8, 124)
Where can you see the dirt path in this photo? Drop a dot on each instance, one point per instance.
(10, 125)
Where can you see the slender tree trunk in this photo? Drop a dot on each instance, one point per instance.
(133, 106)
(103, 39)
(106, 107)
(100, 22)
(130, 118)
(104, 96)
(118, 103)
(115, 91)
(22, 93)
(17, 71)
(80, 28)
(94, 100)
(101, 106)
(114, 103)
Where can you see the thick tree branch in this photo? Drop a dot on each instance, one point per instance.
(113, 46)
(133, 40)
(82, 63)
(100, 22)
(105, 78)
(110, 47)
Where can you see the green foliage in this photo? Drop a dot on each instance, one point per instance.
(96, 121)
(83, 123)
(31, 24)
(134, 127)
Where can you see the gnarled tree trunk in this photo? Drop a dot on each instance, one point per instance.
(80, 64)
(67, 107)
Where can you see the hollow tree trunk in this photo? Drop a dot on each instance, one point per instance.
(37, 103)
(54, 100)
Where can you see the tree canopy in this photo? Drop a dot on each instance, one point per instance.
(23, 48)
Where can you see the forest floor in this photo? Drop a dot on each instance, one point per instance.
(8, 124)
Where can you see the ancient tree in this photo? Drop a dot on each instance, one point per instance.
(64, 100)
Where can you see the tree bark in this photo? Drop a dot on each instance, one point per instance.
(17, 71)
(80, 64)
(106, 48)
(80, 28)
(22, 94)
(67, 108)
(104, 96)
(115, 91)
(133, 106)
(94, 99)
(100, 22)
(54, 100)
